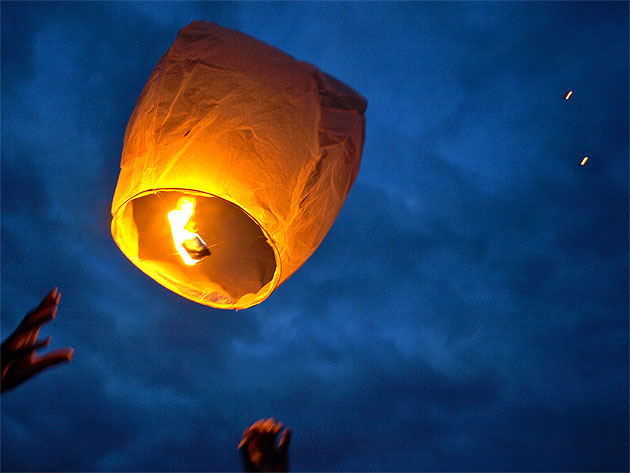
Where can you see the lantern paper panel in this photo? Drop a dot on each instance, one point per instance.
(253, 150)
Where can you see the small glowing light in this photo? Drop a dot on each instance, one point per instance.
(566, 97)
(584, 161)
(189, 245)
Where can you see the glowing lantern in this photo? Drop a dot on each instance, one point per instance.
(237, 160)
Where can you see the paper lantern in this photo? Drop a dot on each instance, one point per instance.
(236, 162)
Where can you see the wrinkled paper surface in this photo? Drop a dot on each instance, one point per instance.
(226, 115)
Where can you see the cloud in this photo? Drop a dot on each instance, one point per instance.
(467, 310)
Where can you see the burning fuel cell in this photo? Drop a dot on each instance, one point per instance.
(189, 245)
(196, 248)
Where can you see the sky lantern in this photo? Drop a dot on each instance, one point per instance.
(236, 162)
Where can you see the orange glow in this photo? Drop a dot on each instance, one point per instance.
(584, 161)
(566, 97)
(183, 238)
(243, 146)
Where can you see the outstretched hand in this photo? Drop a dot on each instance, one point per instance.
(19, 360)
(258, 447)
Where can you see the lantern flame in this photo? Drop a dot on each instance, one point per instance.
(189, 245)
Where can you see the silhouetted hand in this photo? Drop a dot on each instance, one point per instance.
(258, 447)
(19, 362)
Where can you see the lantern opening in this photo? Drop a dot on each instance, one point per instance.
(163, 244)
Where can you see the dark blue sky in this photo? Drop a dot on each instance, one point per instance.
(467, 311)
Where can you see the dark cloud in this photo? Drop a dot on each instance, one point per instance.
(467, 311)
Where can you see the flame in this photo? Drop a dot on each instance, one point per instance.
(566, 97)
(179, 219)
(584, 161)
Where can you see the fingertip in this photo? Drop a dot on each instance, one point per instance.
(259, 424)
(247, 435)
(283, 445)
(65, 354)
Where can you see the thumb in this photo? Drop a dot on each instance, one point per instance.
(283, 445)
(58, 356)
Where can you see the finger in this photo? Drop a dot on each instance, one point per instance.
(247, 436)
(31, 338)
(39, 316)
(51, 294)
(37, 345)
(249, 433)
(258, 425)
(277, 428)
(42, 343)
(22, 339)
(50, 298)
(269, 424)
(29, 349)
(63, 355)
(283, 445)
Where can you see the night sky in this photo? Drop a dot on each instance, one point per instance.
(468, 309)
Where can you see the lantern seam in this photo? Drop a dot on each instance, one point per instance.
(161, 74)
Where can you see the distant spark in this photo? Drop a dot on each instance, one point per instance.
(566, 97)
(584, 161)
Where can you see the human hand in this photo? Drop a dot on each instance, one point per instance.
(258, 447)
(19, 362)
